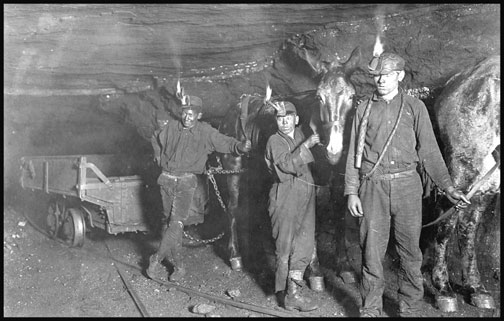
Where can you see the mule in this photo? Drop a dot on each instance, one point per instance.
(467, 114)
(332, 118)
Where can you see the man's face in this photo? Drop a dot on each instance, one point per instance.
(387, 83)
(189, 117)
(287, 124)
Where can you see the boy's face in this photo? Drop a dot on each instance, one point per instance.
(387, 83)
(190, 117)
(287, 124)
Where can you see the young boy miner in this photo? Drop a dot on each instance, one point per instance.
(291, 206)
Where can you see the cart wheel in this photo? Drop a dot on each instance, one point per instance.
(74, 227)
(54, 216)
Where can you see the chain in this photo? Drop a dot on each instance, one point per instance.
(192, 238)
(210, 173)
(217, 170)
(217, 193)
(220, 170)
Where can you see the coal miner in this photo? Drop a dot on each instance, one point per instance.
(391, 139)
(181, 149)
(291, 206)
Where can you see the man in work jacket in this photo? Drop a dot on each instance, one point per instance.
(181, 149)
(291, 206)
(384, 188)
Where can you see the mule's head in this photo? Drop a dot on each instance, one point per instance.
(336, 95)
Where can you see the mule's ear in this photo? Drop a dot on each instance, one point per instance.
(353, 62)
(314, 63)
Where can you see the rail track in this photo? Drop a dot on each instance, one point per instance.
(119, 265)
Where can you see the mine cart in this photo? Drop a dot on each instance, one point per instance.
(98, 191)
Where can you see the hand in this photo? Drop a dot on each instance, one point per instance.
(245, 146)
(355, 206)
(457, 197)
(312, 141)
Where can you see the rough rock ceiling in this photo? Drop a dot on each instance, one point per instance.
(72, 49)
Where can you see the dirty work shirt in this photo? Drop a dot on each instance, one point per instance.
(413, 142)
(291, 204)
(395, 202)
(186, 150)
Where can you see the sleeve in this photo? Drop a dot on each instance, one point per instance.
(352, 180)
(428, 149)
(284, 162)
(156, 146)
(221, 143)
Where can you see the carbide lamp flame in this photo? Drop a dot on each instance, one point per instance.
(180, 93)
(378, 47)
(268, 93)
(377, 51)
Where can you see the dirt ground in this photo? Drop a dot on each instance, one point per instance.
(46, 278)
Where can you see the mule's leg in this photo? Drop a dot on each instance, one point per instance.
(233, 183)
(467, 229)
(446, 299)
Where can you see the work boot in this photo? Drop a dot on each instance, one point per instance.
(294, 300)
(369, 313)
(178, 273)
(409, 310)
(155, 270)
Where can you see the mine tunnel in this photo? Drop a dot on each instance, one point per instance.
(94, 79)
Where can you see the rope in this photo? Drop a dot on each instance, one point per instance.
(312, 184)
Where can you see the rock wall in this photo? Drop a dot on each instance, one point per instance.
(435, 44)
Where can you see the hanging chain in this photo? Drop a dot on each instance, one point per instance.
(217, 193)
(210, 173)
(192, 238)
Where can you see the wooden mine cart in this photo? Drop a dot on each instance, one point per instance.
(99, 191)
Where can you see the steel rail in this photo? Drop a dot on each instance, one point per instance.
(141, 308)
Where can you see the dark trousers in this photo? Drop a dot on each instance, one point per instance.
(292, 214)
(177, 193)
(395, 203)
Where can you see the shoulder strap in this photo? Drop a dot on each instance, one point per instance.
(362, 134)
(389, 139)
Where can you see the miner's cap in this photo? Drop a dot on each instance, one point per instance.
(386, 63)
(284, 108)
(193, 102)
